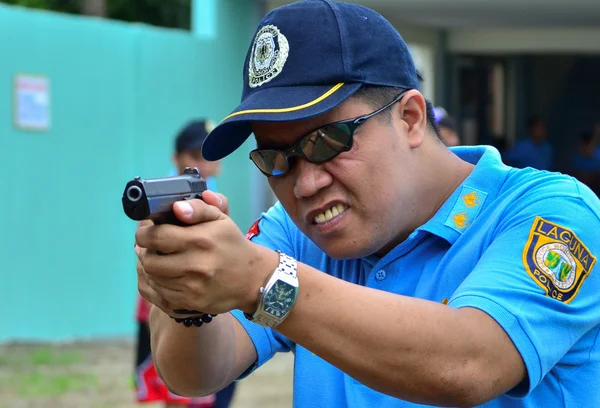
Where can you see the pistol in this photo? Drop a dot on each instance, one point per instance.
(152, 199)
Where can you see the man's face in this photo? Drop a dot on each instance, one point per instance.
(538, 131)
(360, 202)
(193, 158)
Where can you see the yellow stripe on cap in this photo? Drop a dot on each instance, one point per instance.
(292, 109)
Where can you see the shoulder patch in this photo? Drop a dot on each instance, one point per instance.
(556, 260)
(254, 230)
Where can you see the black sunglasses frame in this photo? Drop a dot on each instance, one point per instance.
(352, 124)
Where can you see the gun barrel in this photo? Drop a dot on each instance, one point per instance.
(153, 198)
(134, 193)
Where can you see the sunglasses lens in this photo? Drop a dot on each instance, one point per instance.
(270, 162)
(326, 142)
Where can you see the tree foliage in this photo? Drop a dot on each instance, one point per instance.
(163, 13)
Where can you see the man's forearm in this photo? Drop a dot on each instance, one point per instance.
(409, 348)
(193, 361)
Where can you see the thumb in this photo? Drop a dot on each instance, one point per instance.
(216, 200)
(195, 211)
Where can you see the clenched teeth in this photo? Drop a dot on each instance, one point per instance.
(330, 213)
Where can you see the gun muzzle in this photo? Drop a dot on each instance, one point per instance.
(134, 193)
(154, 198)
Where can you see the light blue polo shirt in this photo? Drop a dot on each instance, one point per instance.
(518, 244)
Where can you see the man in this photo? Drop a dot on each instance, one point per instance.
(586, 161)
(534, 150)
(149, 387)
(446, 126)
(409, 273)
(188, 151)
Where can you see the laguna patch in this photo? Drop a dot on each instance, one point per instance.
(556, 259)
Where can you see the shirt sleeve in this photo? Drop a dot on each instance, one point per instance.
(270, 230)
(537, 280)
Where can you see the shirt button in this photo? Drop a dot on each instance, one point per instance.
(380, 275)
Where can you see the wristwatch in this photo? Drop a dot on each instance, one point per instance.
(278, 296)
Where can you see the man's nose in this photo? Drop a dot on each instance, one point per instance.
(310, 178)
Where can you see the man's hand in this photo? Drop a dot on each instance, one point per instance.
(216, 200)
(207, 265)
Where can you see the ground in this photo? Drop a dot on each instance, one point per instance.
(98, 375)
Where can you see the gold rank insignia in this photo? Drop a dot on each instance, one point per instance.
(471, 199)
(461, 220)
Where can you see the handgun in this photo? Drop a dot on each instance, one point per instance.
(153, 199)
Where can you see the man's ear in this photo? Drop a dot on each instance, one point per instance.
(414, 114)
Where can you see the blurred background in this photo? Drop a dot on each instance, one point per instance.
(94, 92)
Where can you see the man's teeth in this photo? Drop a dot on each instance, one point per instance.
(330, 213)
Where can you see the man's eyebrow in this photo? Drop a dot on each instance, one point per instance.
(281, 146)
(270, 145)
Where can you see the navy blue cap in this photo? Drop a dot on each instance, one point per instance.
(308, 57)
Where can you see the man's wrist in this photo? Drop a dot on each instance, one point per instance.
(261, 271)
(278, 295)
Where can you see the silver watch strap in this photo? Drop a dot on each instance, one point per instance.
(286, 271)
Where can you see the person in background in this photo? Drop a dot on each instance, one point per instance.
(149, 386)
(447, 127)
(597, 138)
(533, 151)
(586, 161)
(188, 152)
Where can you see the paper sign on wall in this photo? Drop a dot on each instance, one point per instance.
(32, 102)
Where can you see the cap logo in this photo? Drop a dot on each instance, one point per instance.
(269, 53)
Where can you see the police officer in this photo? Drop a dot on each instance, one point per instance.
(399, 271)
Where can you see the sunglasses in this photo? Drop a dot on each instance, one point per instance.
(318, 146)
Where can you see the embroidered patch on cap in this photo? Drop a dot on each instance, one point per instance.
(254, 230)
(556, 259)
(269, 53)
(466, 208)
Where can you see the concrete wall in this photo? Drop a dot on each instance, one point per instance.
(118, 93)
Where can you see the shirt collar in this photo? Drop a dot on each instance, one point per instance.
(474, 194)
(459, 211)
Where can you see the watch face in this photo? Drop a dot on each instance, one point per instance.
(279, 299)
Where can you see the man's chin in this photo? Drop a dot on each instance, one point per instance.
(340, 249)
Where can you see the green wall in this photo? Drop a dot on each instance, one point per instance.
(118, 93)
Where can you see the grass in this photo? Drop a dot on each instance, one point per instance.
(41, 356)
(34, 385)
(33, 375)
(48, 356)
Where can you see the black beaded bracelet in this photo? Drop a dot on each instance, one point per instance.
(196, 321)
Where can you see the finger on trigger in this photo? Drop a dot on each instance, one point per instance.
(155, 264)
(165, 238)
